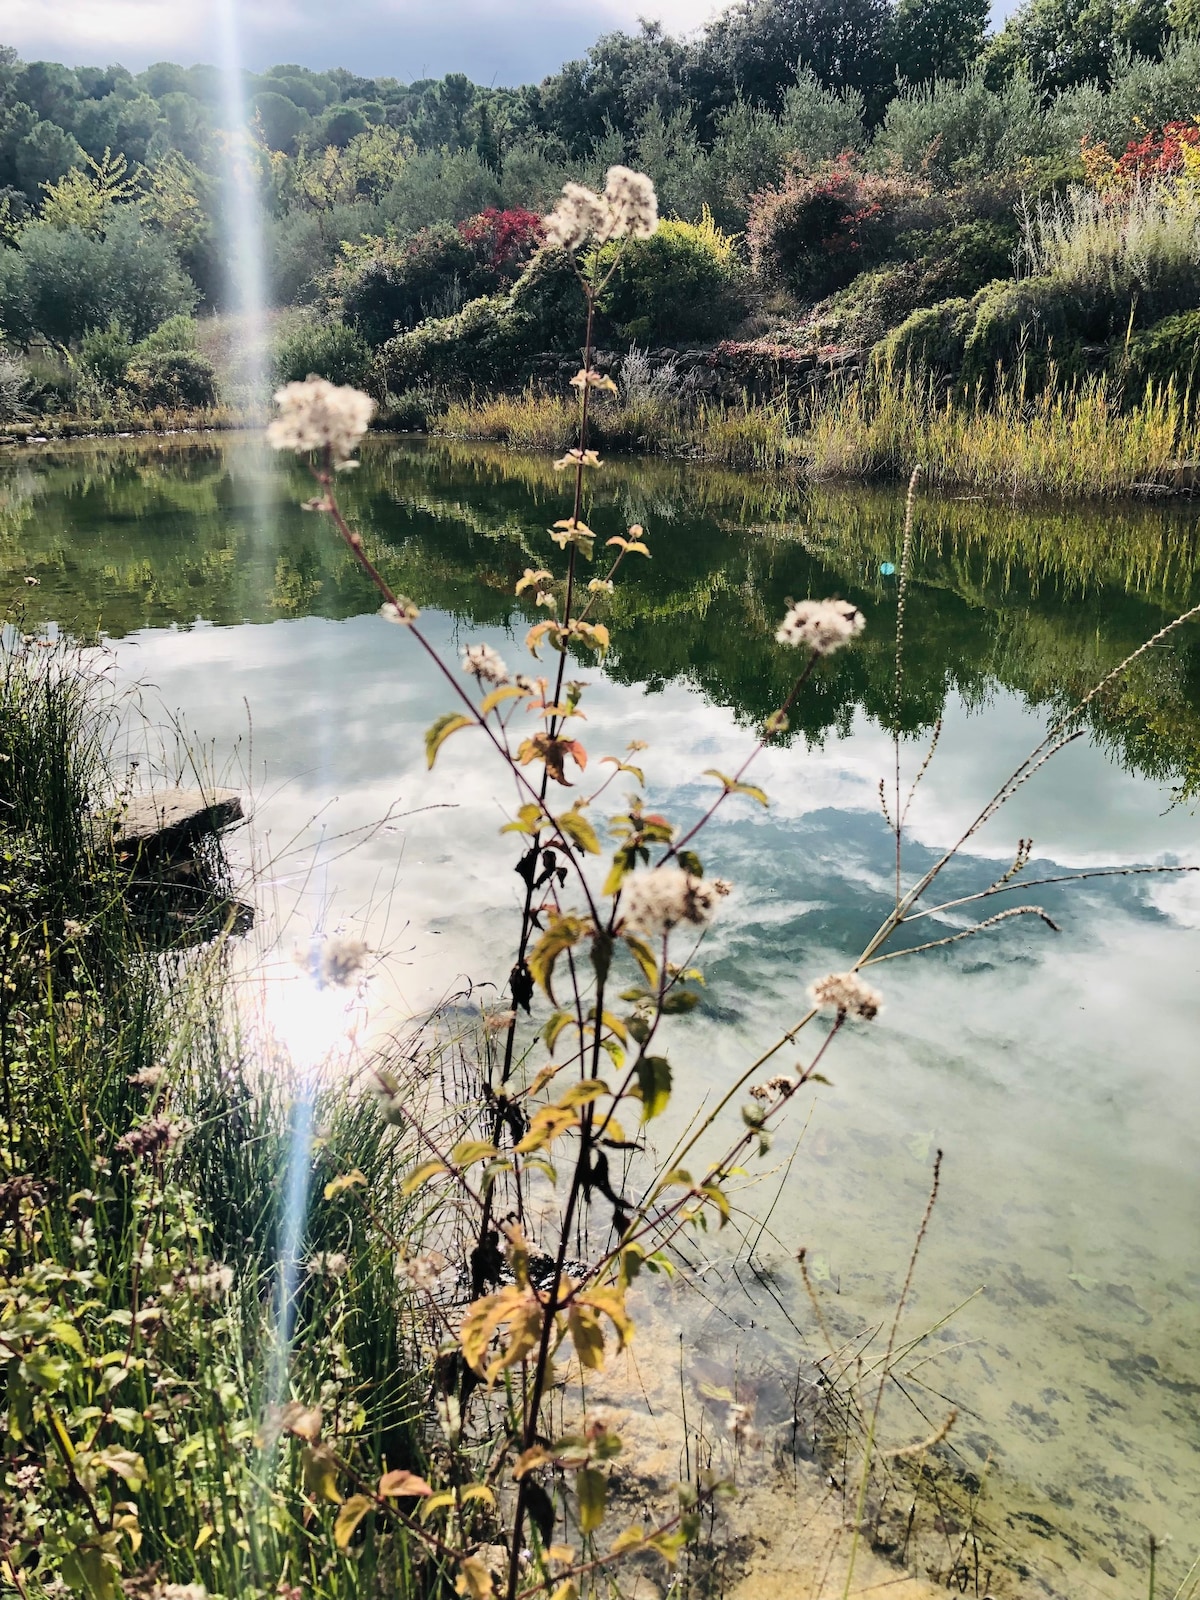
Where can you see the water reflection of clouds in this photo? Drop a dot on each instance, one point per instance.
(1055, 1070)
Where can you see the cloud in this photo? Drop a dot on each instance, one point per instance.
(517, 41)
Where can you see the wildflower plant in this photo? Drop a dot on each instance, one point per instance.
(573, 1067)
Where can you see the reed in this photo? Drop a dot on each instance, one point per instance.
(1080, 441)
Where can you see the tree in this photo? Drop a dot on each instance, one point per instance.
(61, 283)
(85, 197)
(43, 155)
(937, 38)
(1062, 43)
(614, 85)
(281, 120)
(757, 49)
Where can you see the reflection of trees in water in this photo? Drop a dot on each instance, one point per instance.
(1041, 601)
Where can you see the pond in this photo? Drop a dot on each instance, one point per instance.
(1057, 1071)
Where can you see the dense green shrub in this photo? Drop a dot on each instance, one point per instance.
(1168, 352)
(679, 284)
(176, 333)
(434, 273)
(487, 342)
(816, 232)
(61, 283)
(398, 286)
(547, 303)
(1032, 320)
(932, 340)
(176, 379)
(327, 349)
(107, 352)
(947, 263)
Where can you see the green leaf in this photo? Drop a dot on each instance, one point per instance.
(348, 1518)
(576, 827)
(602, 949)
(68, 1333)
(591, 1487)
(653, 1085)
(320, 1473)
(679, 1000)
(438, 732)
(732, 786)
(691, 862)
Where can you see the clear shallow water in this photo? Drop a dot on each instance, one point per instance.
(1057, 1072)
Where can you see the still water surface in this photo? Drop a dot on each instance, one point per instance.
(1057, 1072)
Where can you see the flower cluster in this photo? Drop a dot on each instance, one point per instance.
(154, 1138)
(628, 209)
(319, 415)
(776, 1088)
(484, 663)
(422, 1271)
(211, 1284)
(847, 994)
(328, 1264)
(665, 897)
(821, 625)
(148, 1077)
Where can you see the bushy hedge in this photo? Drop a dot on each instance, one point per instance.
(177, 379)
(1034, 325)
(61, 283)
(679, 284)
(1168, 352)
(434, 273)
(325, 350)
(491, 340)
(816, 232)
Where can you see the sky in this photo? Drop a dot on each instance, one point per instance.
(493, 41)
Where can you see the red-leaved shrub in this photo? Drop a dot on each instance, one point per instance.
(817, 231)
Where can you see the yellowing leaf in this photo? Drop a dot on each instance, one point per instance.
(653, 1087)
(547, 1125)
(68, 1333)
(535, 1456)
(628, 1540)
(551, 1033)
(591, 1488)
(436, 1502)
(348, 1180)
(438, 732)
(205, 1534)
(562, 934)
(579, 830)
(566, 1590)
(474, 1580)
(587, 1336)
(420, 1175)
(506, 691)
(320, 1473)
(349, 1517)
(612, 1303)
(468, 1151)
(582, 1094)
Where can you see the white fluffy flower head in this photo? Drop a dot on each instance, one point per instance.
(628, 209)
(847, 994)
(666, 897)
(484, 663)
(821, 625)
(315, 414)
(632, 204)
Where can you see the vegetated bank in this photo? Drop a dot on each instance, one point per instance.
(1007, 222)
